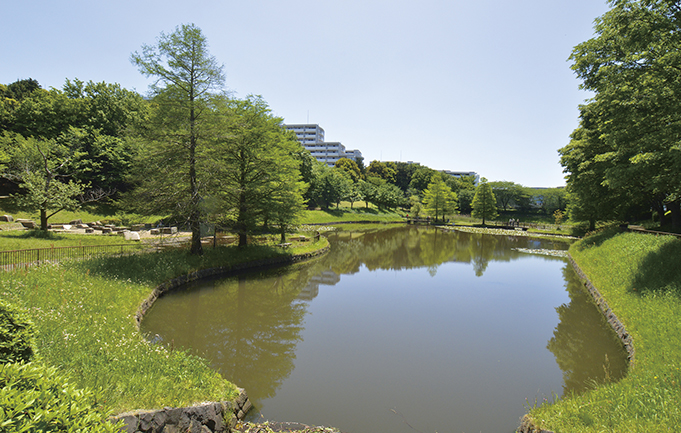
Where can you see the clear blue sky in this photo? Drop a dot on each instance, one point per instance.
(481, 86)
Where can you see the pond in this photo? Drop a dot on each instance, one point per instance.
(400, 329)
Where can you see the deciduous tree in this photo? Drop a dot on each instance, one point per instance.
(186, 77)
(252, 168)
(633, 67)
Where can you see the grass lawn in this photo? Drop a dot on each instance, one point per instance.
(27, 239)
(345, 214)
(640, 277)
(84, 315)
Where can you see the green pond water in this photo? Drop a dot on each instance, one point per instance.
(400, 329)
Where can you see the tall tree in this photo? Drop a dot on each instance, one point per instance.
(633, 67)
(438, 199)
(484, 202)
(253, 170)
(186, 78)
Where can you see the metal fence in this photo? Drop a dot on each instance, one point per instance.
(14, 259)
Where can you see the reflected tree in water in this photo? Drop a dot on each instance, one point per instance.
(586, 349)
(250, 331)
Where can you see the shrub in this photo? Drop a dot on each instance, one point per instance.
(36, 398)
(16, 334)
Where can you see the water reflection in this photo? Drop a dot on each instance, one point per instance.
(469, 337)
(585, 357)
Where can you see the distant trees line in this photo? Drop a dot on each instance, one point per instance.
(191, 151)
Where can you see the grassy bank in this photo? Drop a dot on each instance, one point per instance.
(83, 312)
(640, 277)
(344, 214)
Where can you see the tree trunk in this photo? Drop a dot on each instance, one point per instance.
(675, 208)
(659, 208)
(43, 219)
(195, 213)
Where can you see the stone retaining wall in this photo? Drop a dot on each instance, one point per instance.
(526, 425)
(219, 417)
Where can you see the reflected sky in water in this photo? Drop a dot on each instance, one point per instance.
(445, 331)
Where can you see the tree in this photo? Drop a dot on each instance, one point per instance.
(388, 196)
(590, 198)
(287, 204)
(21, 89)
(350, 167)
(632, 66)
(415, 206)
(438, 199)
(508, 194)
(186, 76)
(421, 178)
(252, 168)
(465, 200)
(381, 170)
(329, 186)
(484, 203)
(42, 168)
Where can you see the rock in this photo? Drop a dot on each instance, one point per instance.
(168, 230)
(155, 232)
(76, 222)
(29, 224)
(7, 218)
(131, 236)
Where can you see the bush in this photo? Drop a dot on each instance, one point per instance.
(36, 398)
(16, 335)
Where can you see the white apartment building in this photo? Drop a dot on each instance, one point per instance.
(460, 174)
(312, 138)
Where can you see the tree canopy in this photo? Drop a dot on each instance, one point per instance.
(186, 78)
(627, 145)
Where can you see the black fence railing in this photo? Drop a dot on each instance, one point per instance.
(14, 259)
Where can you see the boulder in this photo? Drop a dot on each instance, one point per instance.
(76, 222)
(29, 224)
(6, 218)
(130, 236)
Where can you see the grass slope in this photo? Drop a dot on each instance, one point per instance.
(84, 317)
(348, 215)
(640, 277)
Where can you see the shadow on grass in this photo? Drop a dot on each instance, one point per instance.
(660, 271)
(156, 267)
(597, 238)
(31, 234)
(357, 210)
